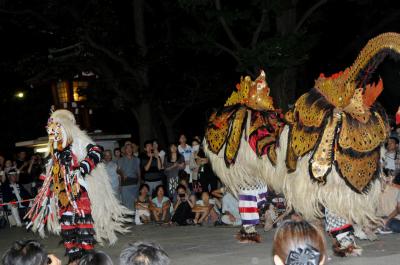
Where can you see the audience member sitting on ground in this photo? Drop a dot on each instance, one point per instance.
(230, 207)
(14, 192)
(96, 258)
(183, 214)
(392, 223)
(205, 210)
(298, 243)
(161, 208)
(28, 252)
(143, 253)
(142, 205)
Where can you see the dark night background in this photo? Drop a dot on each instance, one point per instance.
(164, 65)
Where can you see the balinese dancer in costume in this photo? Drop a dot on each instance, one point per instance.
(327, 163)
(336, 137)
(76, 199)
(238, 137)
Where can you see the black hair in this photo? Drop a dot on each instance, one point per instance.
(201, 153)
(395, 139)
(169, 155)
(143, 253)
(147, 142)
(117, 149)
(181, 186)
(29, 252)
(159, 187)
(142, 186)
(95, 258)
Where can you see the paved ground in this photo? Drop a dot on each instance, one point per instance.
(210, 245)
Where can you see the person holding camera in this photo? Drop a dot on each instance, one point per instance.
(152, 166)
(183, 207)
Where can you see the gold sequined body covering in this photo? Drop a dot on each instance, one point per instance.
(247, 124)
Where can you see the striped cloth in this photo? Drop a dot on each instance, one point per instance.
(250, 200)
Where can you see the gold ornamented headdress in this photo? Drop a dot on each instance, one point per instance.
(253, 94)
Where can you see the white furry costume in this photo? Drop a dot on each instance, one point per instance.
(241, 141)
(76, 199)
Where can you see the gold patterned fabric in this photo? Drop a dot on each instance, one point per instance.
(362, 137)
(235, 135)
(339, 122)
(218, 129)
(322, 159)
(226, 127)
(358, 171)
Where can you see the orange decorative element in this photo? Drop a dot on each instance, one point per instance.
(372, 92)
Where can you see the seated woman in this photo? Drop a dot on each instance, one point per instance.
(161, 207)
(183, 214)
(205, 210)
(298, 243)
(142, 205)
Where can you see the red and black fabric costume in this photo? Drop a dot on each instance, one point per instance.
(74, 207)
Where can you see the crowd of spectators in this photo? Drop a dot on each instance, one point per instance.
(176, 186)
(19, 182)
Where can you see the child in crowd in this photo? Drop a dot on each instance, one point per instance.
(205, 211)
(161, 207)
(142, 205)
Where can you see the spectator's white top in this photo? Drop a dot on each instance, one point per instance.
(16, 192)
(390, 159)
(186, 153)
(211, 202)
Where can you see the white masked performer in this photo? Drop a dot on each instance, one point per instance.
(76, 200)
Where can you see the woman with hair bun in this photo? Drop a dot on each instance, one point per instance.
(299, 243)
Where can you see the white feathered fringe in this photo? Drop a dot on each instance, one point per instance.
(306, 196)
(107, 212)
(301, 193)
(248, 169)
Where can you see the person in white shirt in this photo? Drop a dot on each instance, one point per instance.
(391, 159)
(186, 151)
(15, 193)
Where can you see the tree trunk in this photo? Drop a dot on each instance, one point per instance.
(144, 115)
(283, 88)
(285, 81)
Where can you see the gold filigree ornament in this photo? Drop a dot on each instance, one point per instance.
(235, 135)
(310, 115)
(217, 130)
(358, 171)
(362, 137)
(63, 199)
(302, 141)
(322, 159)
